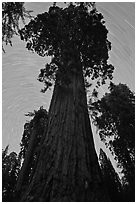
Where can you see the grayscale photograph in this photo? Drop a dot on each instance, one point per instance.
(68, 101)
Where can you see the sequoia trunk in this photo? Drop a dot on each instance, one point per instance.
(67, 168)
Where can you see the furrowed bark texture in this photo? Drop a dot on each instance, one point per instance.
(67, 168)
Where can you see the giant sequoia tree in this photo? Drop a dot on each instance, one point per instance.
(76, 39)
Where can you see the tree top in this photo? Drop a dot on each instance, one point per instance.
(76, 31)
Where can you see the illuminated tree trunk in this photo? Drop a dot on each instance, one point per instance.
(67, 168)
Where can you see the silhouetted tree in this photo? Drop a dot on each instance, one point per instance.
(12, 177)
(12, 12)
(10, 169)
(76, 39)
(111, 178)
(114, 116)
(30, 144)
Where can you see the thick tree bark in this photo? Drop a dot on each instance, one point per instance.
(68, 168)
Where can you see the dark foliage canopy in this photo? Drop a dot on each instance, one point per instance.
(114, 116)
(10, 169)
(39, 120)
(12, 12)
(74, 33)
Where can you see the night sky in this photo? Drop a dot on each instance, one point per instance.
(20, 68)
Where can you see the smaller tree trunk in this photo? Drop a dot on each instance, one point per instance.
(27, 161)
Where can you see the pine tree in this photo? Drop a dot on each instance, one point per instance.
(76, 39)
